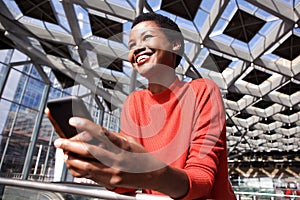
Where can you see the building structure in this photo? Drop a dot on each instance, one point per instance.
(250, 48)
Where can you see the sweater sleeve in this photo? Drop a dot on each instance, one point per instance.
(206, 143)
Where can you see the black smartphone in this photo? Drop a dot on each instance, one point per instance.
(60, 110)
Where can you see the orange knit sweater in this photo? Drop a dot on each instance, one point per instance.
(184, 126)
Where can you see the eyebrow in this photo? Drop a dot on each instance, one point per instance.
(143, 33)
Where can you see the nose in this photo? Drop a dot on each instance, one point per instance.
(134, 52)
(138, 50)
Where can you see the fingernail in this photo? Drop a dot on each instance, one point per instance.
(74, 120)
(66, 157)
(57, 143)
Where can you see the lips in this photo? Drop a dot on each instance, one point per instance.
(142, 58)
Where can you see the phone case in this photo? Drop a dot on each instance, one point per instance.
(62, 109)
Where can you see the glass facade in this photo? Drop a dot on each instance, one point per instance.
(26, 135)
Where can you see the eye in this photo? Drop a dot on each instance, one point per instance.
(147, 37)
(131, 45)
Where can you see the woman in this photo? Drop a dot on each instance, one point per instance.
(172, 139)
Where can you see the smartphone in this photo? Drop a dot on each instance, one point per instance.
(60, 110)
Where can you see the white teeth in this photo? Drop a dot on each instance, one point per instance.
(141, 58)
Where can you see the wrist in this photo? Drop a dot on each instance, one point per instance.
(171, 181)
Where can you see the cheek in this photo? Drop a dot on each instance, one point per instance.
(162, 44)
(130, 57)
(155, 45)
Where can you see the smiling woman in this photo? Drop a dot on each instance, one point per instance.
(172, 140)
(152, 53)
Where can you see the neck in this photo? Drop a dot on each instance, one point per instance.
(157, 85)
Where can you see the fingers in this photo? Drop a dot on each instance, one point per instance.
(83, 136)
(85, 150)
(91, 170)
(88, 126)
(102, 134)
(76, 147)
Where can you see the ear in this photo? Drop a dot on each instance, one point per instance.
(176, 45)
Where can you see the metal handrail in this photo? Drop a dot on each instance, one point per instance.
(267, 194)
(84, 190)
(100, 192)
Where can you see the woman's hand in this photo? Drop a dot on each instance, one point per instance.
(110, 159)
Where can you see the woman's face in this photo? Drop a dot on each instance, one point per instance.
(150, 49)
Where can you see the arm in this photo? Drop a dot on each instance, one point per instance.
(118, 161)
(208, 143)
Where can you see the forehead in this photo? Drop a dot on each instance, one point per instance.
(145, 26)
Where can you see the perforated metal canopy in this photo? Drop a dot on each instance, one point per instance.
(249, 48)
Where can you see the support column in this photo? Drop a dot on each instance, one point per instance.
(140, 4)
(35, 134)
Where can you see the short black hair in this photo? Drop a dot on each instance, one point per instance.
(165, 23)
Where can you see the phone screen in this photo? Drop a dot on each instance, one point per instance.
(62, 109)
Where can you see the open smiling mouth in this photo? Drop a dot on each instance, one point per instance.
(142, 58)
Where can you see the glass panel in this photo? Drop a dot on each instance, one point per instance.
(14, 86)
(23, 68)
(17, 83)
(33, 93)
(42, 163)
(4, 115)
(25, 121)
(54, 93)
(3, 72)
(18, 56)
(35, 73)
(15, 155)
(30, 70)
(45, 152)
(5, 55)
(18, 123)
(111, 121)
